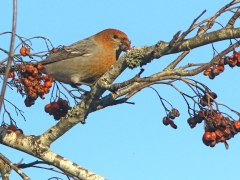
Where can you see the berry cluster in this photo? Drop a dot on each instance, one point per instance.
(215, 70)
(169, 119)
(232, 61)
(217, 127)
(34, 83)
(12, 128)
(57, 109)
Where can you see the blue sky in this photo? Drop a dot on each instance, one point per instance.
(127, 141)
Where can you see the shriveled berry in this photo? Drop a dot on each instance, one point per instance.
(166, 121)
(220, 67)
(211, 75)
(57, 116)
(29, 102)
(174, 113)
(172, 124)
(213, 95)
(207, 71)
(191, 121)
(198, 119)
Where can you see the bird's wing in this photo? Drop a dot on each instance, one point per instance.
(85, 47)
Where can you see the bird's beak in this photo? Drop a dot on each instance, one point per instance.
(125, 45)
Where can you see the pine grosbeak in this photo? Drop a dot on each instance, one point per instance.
(87, 60)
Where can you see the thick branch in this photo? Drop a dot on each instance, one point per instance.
(196, 41)
(32, 145)
(76, 114)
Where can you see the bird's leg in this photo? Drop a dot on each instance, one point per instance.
(84, 97)
(86, 84)
(85, 94)
(78, 88)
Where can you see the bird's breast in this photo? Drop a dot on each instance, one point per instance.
(87, 69)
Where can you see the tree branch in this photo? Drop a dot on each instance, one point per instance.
(232, 21)
(15, 168)
(33, 146)
(11, 52)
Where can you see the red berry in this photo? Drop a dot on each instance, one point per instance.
(18, 131)
(47, 84)
(54, 107)
(236, 125)
(47, 108)
(23, 51)
(11, 75)
(207, 136)
(12, 127)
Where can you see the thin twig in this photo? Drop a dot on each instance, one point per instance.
(11, 53)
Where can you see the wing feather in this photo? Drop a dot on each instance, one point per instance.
(85, 47)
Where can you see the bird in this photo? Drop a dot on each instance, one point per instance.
(85, 61)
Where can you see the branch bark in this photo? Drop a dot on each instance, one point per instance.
(32, 145)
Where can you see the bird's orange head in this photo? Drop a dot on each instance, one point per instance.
(113, 39)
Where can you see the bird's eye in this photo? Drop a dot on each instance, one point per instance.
(115, 36)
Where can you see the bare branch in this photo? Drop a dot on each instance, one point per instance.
(15, 168)
(11, 53)
(231, 22)
(173, 64)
